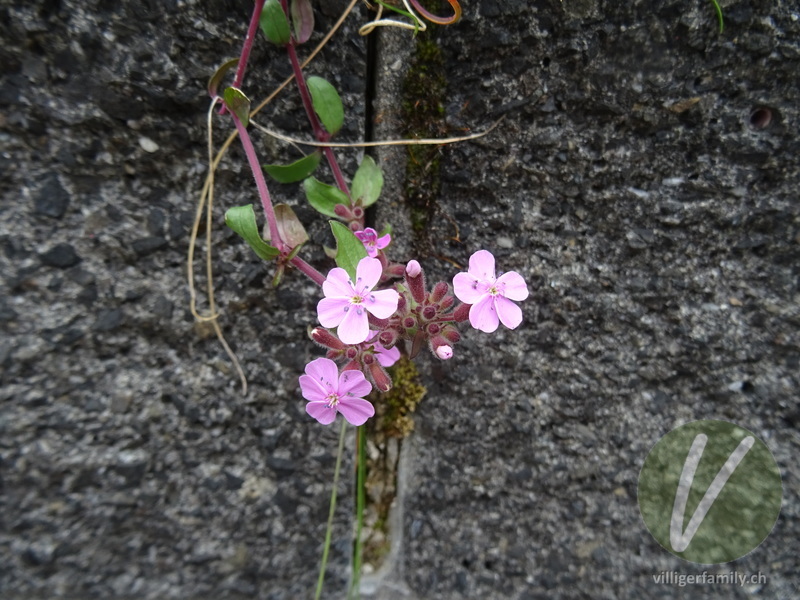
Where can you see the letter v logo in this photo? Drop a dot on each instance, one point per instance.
(720, 477)
(680, 540)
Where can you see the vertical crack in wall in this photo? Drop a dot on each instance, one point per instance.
(389, 53)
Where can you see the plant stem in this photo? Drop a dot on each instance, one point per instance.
(331, 512)
(361, 474)
(308, 270)
(248, 43)
(261, 183)
(319, 131)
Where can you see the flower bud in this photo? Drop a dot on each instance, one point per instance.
(444, 352)
(413, 268)
(342, 211)
(409, 322)
(447, 302)
(461, 313)
(351, 353)
(358, 212)
(352, 366)
(416, 285)
(325, 338)
(433, 328)
(367, 359)
(439, 291)
(441, 348)
(428, 313)
(395, 270)
(451, 334)
(381, 378)
(401, 303)
(376, 322)
(388, 338)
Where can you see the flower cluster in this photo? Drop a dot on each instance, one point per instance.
(371, 324)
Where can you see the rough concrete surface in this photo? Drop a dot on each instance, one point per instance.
(634, 182)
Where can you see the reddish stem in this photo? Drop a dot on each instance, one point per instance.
(261, 183)
(319, 131)
(248, 43)
(308, 270)
(246, 48)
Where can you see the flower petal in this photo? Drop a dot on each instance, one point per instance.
(368, 273)
(386, 358)
(321, 412)
(467, 288)
(367, 235)
(355, 410)
(353, 384)
(512, 286)
(510, 314)
(312, 389)
(324, 370)
(481, 265)
(354, 327)
(483, 315)
(384, 241)
(382, 303)
(331, 311)
(337, 284)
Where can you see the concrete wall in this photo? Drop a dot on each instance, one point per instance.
(653, 215)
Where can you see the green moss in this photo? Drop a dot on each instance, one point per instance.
(423, 111)
(402, 400)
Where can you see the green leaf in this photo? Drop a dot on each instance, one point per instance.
(302, 20)
(324, 197)
(349, 249)
(367, 182)
(290, 228)
(242, 219)
(274, 23)
(327, 103)
(238, 104)
(299, 169)
(219, 74)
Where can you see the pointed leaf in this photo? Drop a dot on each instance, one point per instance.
(298, 170)
(238, 104)
(290, 228)
(302, 20)
(276, 281)
(367, 182)
(327, 103)
(274, 23)
(219, 74)
(242, 219)
(349, 249)
(324, 197)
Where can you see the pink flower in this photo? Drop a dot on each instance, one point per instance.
(386, 358)
(373, 243)
(490, 297)
(328, 392)
(346, 303)
(444, 352)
